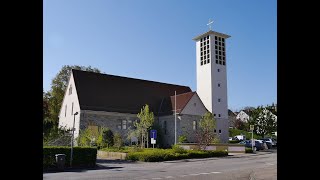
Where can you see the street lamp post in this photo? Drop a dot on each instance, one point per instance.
(71, 156)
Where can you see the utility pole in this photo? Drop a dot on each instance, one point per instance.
(175, 117)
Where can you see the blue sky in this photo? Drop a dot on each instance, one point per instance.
(152, 40)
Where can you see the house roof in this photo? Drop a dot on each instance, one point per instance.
(103, 92)
(182, 101)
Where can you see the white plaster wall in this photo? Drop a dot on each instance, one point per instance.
(67, 121)
(194, 106)
(204, 78)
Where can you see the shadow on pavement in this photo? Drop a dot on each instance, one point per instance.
(109, 161)
(81, 169)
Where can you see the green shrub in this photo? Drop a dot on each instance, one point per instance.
(249, 150)
(155, 155)
(234, 141)
(182, 139)
(82, 156)
(178, 149)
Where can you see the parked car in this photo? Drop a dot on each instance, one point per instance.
(257, 145)
(270, 140)
(240, 137)
(268, 144)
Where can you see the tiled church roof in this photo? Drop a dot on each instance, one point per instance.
(103, 92)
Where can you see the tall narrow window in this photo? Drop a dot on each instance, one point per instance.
(124, 124)
(219, 100)
(65, 112)
(165, 127)
(72, 109)
(219, 115)
(70, 89)
(194, 125)
(220, 131)
(218, 84)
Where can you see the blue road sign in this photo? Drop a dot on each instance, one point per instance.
(153, 134)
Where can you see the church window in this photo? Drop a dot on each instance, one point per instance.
(70, 89)
(220, 131)
(124, 124)
(218, 70)
(218, 84)
(217, 62)
(194, 125)
(72, 109)
(65, 112)
(215, 130)
(219, 100)
(219, 115)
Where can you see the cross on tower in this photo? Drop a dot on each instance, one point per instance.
(209, 24)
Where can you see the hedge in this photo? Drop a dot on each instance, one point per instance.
(234, 141)
(82, 156)
(156, 155)
(249, 150)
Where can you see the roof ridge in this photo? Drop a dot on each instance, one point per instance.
(103, 74)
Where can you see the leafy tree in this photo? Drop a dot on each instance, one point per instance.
(52, 99)
(58, 87)
(118, 142)
(182, 139)
(264, 121)
(238, 124)
(204, 133)
(146, 121)
(88, 137)
(105, 138)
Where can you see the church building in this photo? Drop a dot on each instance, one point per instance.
(101, 100)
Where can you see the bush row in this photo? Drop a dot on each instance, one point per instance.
(234, 141)
(156, 155)
(249, 150)
(82, 156)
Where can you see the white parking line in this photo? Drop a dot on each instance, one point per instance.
(204, 173)
(194, 174)
(215, 172)
(168, 177)
(183, 175)
(156, 178)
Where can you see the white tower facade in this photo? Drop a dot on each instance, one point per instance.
(212, 78)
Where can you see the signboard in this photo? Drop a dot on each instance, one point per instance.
(251, 127)
(153, 134)
(153, 141)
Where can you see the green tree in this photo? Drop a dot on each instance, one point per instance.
(88, 137)
(204, 133)
(118, 142)
(105, 138)
(146, 121)
(182, 139)
(264, 121)
(52, 100)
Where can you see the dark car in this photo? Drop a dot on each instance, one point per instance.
(269, 144)
(257, 145)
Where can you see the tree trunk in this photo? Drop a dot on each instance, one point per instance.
(147, 139)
